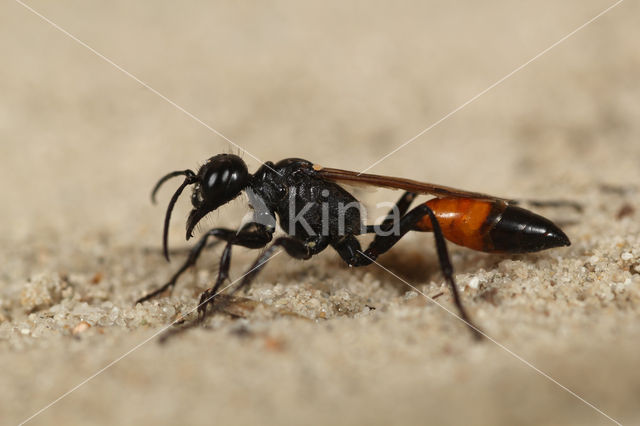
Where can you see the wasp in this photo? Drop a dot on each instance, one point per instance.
(308, 202)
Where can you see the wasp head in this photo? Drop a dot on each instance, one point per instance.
(221, 179)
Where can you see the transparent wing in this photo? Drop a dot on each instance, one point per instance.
(440, 191)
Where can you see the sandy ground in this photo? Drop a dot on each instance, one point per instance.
(81, 144)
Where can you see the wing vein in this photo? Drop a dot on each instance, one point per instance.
(440, 191)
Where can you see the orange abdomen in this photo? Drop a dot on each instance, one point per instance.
(464, 221)
(492, 226)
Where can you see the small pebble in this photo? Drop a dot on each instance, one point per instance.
(474, 282)
(82, 326)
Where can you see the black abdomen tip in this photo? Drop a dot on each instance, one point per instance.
(521, 231)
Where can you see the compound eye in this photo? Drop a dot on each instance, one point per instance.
(223, 183)
(214, 183)
(235, 180)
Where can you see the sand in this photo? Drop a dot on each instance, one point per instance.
(82, 143)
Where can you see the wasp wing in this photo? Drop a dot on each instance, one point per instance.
(440, 191)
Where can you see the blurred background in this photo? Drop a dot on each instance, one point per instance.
(339, 83)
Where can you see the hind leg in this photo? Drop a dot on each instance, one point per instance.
(350, 250)
(396, 212)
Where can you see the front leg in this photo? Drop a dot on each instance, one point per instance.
(251, 235)
(295, 248)
(223, 274)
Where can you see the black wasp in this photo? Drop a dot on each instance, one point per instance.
(310, 205)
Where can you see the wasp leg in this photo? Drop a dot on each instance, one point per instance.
(397, 211)
(223, 274)
(295, 248)
(350, 250)
(252, 235)
(194, 254)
